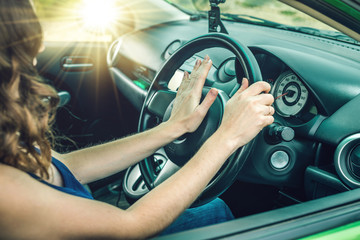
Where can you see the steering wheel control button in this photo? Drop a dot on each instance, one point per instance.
(275, 133)
(279, 160)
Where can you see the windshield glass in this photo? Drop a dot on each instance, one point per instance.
(270, 13)
(105, 20)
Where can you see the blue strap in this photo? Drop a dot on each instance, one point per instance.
(71, 184)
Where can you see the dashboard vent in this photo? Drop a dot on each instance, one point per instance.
(347, 160)
(171, 48)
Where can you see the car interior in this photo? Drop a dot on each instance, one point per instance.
(310, 153)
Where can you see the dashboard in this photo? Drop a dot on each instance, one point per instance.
(293, 99)
(315, 83)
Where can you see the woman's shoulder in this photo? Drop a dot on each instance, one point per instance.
(32, 210)
(13, 198)
(13, 183)
(25, 204)
(9, 175)
(17, 186)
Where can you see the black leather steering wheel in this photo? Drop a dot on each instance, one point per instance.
(157, 108)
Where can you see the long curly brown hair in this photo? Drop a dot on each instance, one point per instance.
(24, 117)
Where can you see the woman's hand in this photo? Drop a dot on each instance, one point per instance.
(187, 109)
(246, 114)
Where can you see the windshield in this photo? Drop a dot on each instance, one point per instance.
(270, 13)
(105, 20)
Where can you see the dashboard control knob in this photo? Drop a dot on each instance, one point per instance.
(275, 133)
(279, 160)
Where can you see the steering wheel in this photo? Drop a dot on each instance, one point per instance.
(158, 105)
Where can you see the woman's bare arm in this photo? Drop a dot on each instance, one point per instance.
(33, 210)
(30, 209)
(103, 160)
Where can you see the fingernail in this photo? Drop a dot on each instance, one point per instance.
(243, 80)
(213, 91)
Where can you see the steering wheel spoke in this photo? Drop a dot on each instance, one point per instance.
(168, 169)
(159, 102)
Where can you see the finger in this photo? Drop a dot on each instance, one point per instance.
(272, 110)
(200, 76)
(204, 71)
(186, 78)
(244, 85)
(184, 81)
(265, 121)
(257, 88)
(200, 63)
(268, 110)
(209, 99)
(269, 120)
(266, 99)
(197, 65)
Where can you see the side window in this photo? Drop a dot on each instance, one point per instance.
(80, 20)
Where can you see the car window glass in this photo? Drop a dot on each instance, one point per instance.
(77, 20)
(271, 10)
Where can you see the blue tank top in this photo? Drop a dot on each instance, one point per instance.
(71, 184)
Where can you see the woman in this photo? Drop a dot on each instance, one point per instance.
(40, 196)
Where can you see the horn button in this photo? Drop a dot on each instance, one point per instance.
(183, 148)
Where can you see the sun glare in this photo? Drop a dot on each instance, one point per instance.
(99, 15)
